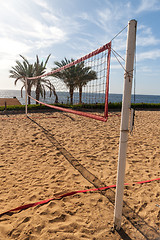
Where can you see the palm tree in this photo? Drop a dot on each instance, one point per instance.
(67, 76)
(41, 83)
(74, 77)
(83, 76)
(22, 70)
(25, 69)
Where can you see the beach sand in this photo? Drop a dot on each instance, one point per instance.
(59, 152)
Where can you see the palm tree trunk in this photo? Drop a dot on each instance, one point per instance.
(29, 100)
(55, 94)
(80, 94)
(71, 95)
(38, 90)
(29, 92)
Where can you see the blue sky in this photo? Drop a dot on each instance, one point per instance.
(73, 28)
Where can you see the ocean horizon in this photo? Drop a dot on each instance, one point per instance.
(63, 97)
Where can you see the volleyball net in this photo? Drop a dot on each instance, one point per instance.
(83, 82)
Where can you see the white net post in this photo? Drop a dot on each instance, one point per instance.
(128, 76)
(26, 95)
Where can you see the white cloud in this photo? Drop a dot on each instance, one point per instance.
(84, 16)
(145, 37)
(152, 54)
(148, 5)
(68, 24)
(105, 15)
(144, 29)
(42, 34)
(147, 41)
(50, 17)
(144, 69)
(42, 4)
(113, 15)
(42, 31)
(12, 47)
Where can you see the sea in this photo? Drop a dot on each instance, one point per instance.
(63, 97)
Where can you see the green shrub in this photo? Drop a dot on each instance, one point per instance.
(116, 106)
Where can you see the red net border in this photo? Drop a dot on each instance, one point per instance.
(97, 51)
(90, 115)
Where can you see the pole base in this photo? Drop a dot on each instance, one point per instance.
(117, 224)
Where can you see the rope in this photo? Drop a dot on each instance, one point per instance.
(118, 54)
(113, 51)
(60, 196)
(119, 33)
(127, 74)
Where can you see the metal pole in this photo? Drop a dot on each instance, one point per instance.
(128, 76)
(26, 88)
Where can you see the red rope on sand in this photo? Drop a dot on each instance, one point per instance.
(60, 196)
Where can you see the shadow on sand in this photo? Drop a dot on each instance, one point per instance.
(147, 231)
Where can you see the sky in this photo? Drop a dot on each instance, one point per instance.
(73, 28)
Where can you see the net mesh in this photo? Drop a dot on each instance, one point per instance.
(84, 81)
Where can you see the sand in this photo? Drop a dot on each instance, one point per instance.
(61, 152)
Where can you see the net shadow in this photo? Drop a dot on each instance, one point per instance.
(149, 232)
